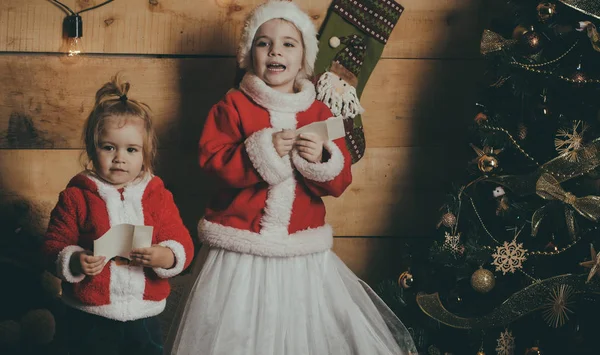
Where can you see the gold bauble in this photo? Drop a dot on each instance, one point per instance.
(487, 163)
(483, 280)
(519, 31)
(481, 352)
(449, 220)
(546, 11)
(405, 280)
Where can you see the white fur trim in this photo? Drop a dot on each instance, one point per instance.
(127, 284)
(133, 309)
(285, 10)
(179, 253)
(321, 172)
(129, 210)
(63, 271)
(242, 241)
(278, 210)
(271, 167)
(274, 100)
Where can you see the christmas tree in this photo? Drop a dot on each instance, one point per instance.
(515, 267)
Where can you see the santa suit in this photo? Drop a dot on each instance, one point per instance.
(270, 205)
(87, 209)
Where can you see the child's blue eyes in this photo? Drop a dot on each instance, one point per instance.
(110, 148)
(132, 150)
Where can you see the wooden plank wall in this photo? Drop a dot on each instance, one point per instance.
(179, 57)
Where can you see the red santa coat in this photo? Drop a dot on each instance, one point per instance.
(86, 210)
(270, 205)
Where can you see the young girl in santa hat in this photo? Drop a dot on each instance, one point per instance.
(271, 284)
(112, 305)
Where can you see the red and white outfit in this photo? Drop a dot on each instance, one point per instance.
(87, 209)
(271, 284)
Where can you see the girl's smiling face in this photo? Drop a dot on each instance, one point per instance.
(277, 54)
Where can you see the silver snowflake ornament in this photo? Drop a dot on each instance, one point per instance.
(509, 257)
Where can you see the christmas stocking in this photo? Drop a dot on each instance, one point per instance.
(350, 44)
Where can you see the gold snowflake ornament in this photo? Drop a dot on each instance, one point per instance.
(593, 264)
(506, 343)
(509, 257)
(452, 243)
(556, 306)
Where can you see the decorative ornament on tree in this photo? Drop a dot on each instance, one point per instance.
(483, 280)
(486, 158)
(452, 244)
(593, 265)
(522, 131)
(546, 11)
(502, 200)
(569, 142)
(530, 42)
(448, 220)
(506, 343)
(480, 118)
(509, 257)
(555, 309)
(406, 280)
(481, 352)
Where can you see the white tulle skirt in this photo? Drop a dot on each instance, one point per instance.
(305, 305)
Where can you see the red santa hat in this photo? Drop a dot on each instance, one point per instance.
(279, 9)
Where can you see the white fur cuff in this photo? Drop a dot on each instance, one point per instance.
(271, 167)
(179, 254)
(321, 172)
(63, 270)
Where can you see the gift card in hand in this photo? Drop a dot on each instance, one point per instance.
(121, 239)
(328, 130)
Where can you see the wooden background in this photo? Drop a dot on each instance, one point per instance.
(179, 57)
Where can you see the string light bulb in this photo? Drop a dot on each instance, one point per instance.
(74, 29)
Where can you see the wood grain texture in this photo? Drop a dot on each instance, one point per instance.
(427, 29)
(46, 100)
(395, 191)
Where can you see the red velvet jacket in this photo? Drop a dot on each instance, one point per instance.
(270, 205)
(86, 210)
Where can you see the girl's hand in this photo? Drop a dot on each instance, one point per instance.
(154, 256)
(84, 262)
(283, 141)
(310, 147)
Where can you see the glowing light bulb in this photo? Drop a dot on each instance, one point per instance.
(73, 46)
(74, 28)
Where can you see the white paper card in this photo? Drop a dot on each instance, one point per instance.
(330, 129)
(121, 239)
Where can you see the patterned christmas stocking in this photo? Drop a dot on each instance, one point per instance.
(350, 44)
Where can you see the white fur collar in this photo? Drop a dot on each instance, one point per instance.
(274, 100)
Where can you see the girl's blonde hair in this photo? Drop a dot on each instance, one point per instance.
(112, 101)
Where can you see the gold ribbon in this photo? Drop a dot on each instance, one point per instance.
(521, 303)
(592, 33)
(588, 7)
(493, 42)
(549, 189)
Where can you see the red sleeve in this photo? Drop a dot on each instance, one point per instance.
(332, 176)
(222, 148)
(173, 234)
(62, 237)
(237, 160)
